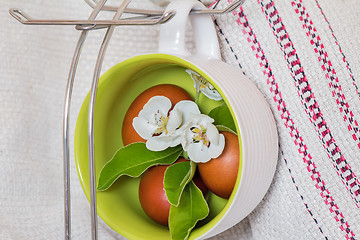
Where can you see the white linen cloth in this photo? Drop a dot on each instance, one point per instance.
(302, 55)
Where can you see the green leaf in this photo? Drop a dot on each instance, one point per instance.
(224, 129)
(192, 208)
(133, 160)
(222, 116)
(176, 177)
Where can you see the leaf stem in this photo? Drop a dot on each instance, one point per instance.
(193, 169)
(185, 155)
(197, 97)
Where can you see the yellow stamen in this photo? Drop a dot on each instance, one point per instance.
(162, 122)
(200, 135)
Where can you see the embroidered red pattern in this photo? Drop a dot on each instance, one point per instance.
(340, 49)
(328, 69)
(310, 104)
(289, 123)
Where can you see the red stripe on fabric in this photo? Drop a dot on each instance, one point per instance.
(313, 111)
(328, 69)
(340, 50)
(342, 53)
(212, 5)
(309, 102)
(285, 115)
(289, 123)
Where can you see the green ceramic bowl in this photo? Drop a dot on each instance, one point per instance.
(119, 206)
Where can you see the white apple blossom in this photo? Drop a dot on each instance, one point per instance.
(156, 125)
(160, 127)
(203, 85)
(201, 139)
(184, 124)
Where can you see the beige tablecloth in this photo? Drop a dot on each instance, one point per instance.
(302, 54)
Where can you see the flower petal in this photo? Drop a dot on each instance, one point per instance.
(212, 134)
(175, 120)
(187, 108)
(203, 119)
(143, 127)
(198, 153)
(156, 104)
(194, 76)
(176, 141)
(215, 150)
(157, 144)
(186, 136)
(211, 93)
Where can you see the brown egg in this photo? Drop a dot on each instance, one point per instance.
(152, 195)
(174, 93)
(219, 174)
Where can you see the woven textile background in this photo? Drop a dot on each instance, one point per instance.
(302, 54)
